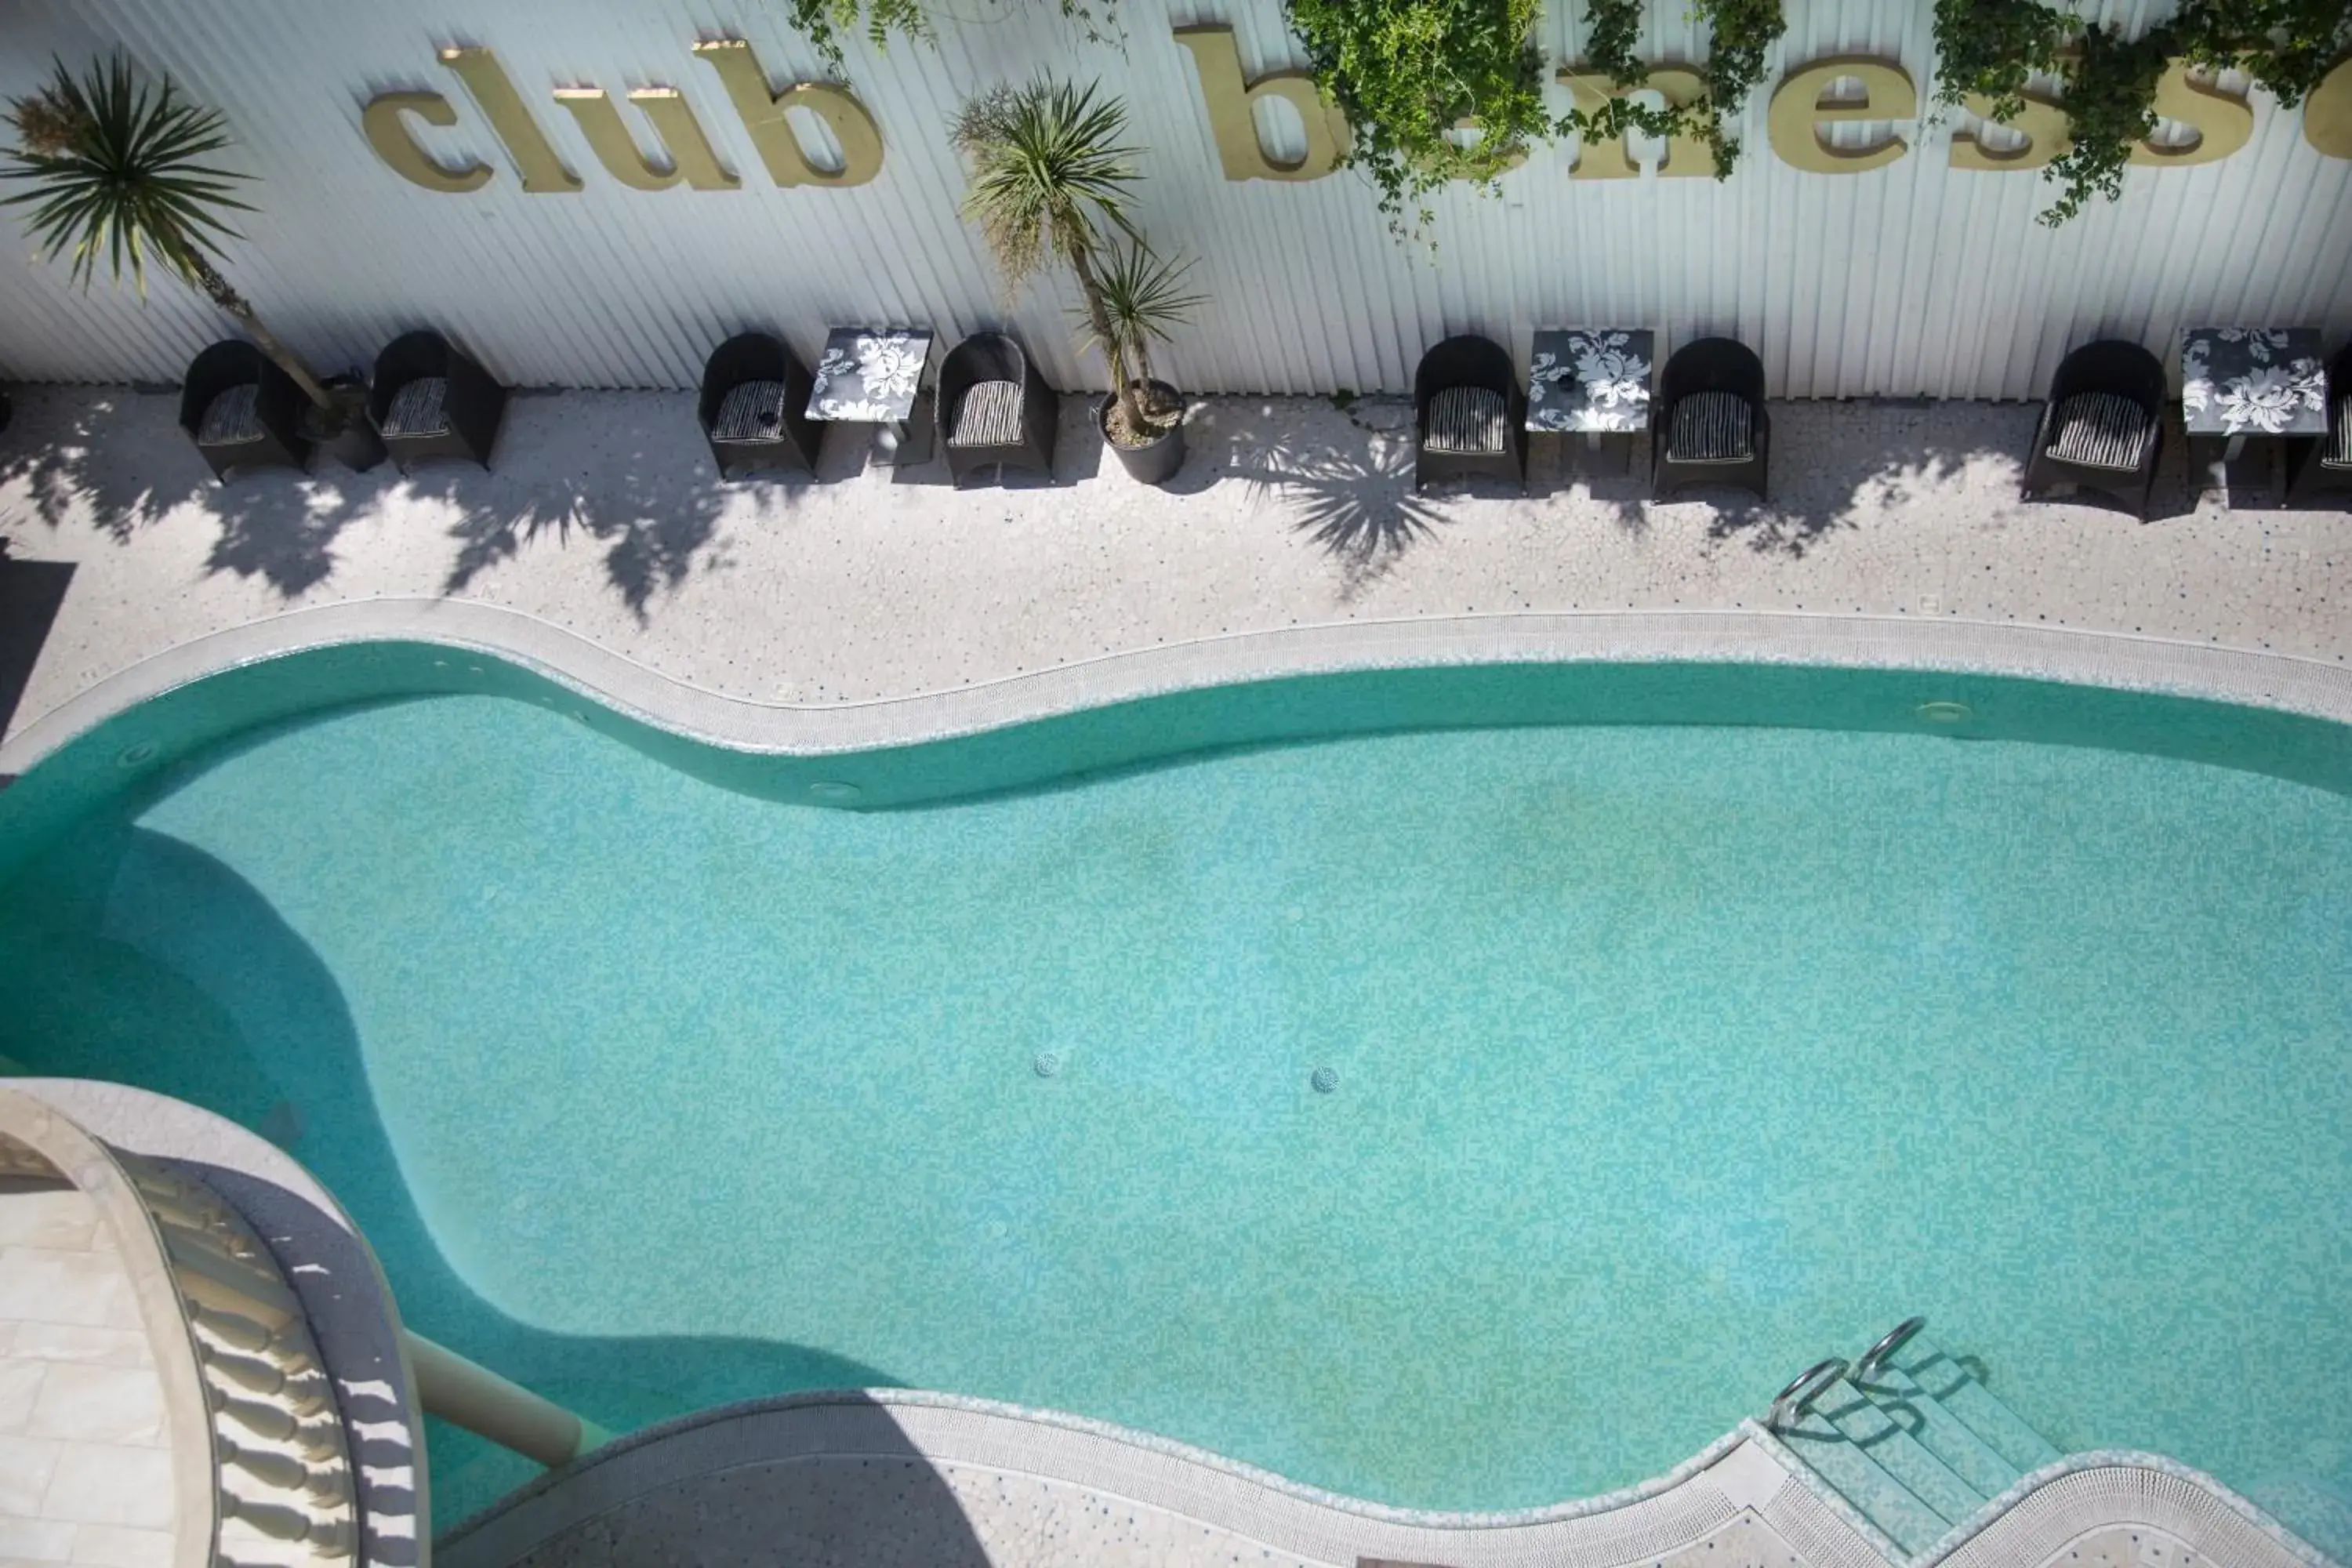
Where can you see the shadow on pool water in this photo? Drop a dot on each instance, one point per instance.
(212, 997)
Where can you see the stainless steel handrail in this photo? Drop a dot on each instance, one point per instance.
(1802, 1390)
(1888, 1343)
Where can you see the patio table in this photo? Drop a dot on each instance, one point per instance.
(2239, 384)
(875, 376)
(1593, 382)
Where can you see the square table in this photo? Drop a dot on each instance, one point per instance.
(2240, 382)
(875, 376)
(1594, 382)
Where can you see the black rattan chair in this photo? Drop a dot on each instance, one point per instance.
(242, 411)
(2102, 426)
(754, 409)
(2324, 466)
(1469, 413)
(429, 400)
(994, 408)
(1708, 425)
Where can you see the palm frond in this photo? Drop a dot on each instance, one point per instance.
(1142, 298)
(114, 171)
(1050, 172)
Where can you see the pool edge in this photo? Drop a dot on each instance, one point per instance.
(1741, 1478)
(2286, 682)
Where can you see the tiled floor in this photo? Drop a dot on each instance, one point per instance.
(85, 1472)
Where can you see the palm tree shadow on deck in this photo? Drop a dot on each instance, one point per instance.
(133, 956)
(626, 472)
(1356, 501)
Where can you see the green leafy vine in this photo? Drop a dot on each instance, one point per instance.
(1741, 31)
(1435, 90)
(827, 22)
(1992, 47)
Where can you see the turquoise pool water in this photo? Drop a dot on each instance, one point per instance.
(1668, 1060)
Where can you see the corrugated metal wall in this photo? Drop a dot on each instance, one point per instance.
(1916, 279)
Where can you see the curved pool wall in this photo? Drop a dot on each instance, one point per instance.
(122, 752)
(175, 738)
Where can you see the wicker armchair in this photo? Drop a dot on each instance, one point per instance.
(994, 408)
(429, 400)
(242, 411)
(1710, 425)
(1469, 413)
(754, 407)
(2325, 466)
(2103, 425)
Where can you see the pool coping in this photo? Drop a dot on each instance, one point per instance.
(2292, 683)
(1746, 1474)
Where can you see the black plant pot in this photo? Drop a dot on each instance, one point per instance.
(1156, 461)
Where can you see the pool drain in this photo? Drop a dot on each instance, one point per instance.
(1325, 1080)
(1047, 1065)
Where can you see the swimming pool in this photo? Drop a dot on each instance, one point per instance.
(1661, 1060)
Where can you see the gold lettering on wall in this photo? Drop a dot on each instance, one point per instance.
(764, 113)
(391, 138)
(691, 161)
(1231, 102)
(2041, 121)
(1685, 156)
(2327, 114)
(2224, 124)
(533, 155)
(1797, 113)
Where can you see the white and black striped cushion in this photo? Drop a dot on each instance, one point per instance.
(2339, 454)
(232, 418)
(988, 414)
(1711, 427)
(1470, 420)
(419, 408)
(752, 411)
(2101, 430)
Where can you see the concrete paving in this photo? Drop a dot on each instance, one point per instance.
(603, 518)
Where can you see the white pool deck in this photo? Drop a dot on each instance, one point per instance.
(876, 605)
(870, 605)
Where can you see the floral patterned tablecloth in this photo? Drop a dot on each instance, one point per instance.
(2253, 381)
(870, 373)
(1591, 380)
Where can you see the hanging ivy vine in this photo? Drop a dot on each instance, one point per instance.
(825, 22)
(1435, 90)
(1992, 47)
(1739, 32)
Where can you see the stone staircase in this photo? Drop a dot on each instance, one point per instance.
(1909, 1435)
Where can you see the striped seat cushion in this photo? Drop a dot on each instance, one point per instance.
(1711, 427)
(752, 411)
(1468, 419)
(419, 408)
(232, 418)
(988, 414)
(2339, 452)
(2101, 430)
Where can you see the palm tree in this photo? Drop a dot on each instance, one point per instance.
(116, 171)
(1141, 301)
(1050, 178)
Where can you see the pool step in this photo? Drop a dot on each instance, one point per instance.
(1950, 1386)
(1917, 1446)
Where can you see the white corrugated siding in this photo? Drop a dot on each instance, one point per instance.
(1917, 278)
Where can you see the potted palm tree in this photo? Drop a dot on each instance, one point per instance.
(115, 171)
(1050, 180)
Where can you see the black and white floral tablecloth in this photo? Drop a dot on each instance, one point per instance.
(870, 373)
(2253, 381)
(1590, 380)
